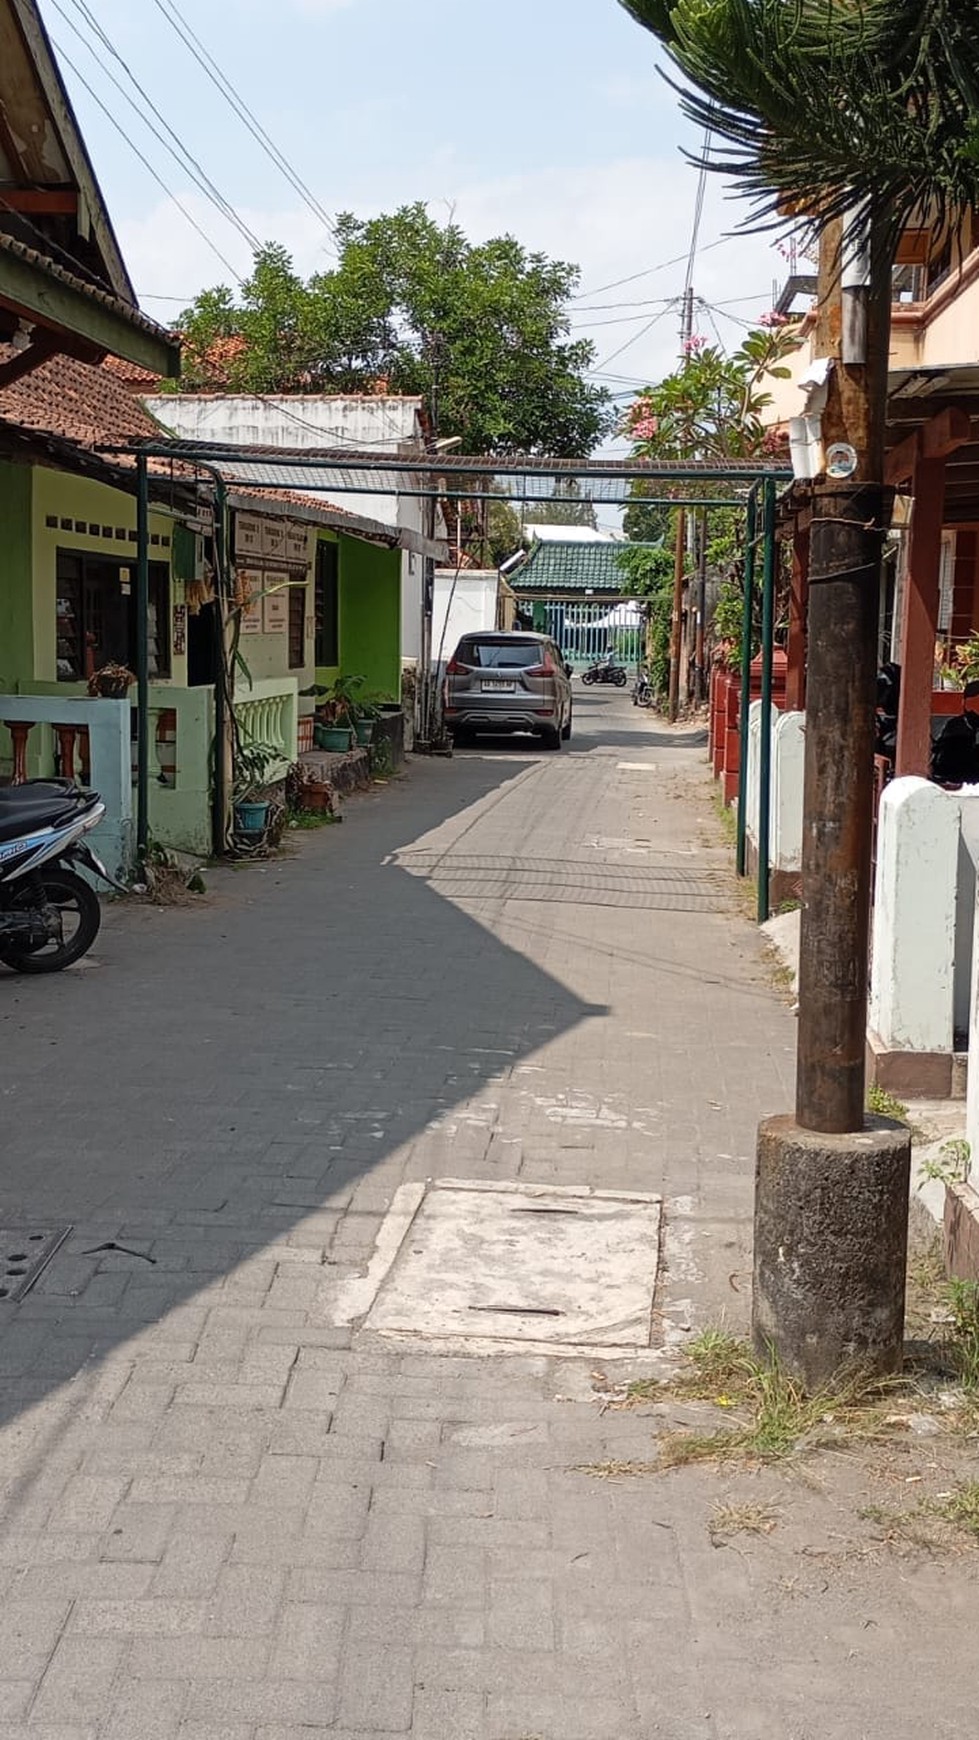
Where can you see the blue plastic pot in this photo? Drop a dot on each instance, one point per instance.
(251, 818)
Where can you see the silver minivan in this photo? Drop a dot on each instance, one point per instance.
(508, 680)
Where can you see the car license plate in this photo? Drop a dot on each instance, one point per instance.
(491, 688)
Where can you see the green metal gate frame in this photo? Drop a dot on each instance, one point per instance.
(761, 512)
(447, 476)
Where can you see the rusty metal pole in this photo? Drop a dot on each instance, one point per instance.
(832, 1184)
(849, 523)
(839, 797)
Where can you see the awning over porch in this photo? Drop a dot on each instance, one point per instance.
(63, 283)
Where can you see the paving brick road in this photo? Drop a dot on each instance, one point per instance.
(225, 1517)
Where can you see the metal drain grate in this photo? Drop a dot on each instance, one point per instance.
(25, 1252)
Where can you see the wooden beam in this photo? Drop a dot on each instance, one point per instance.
(44, 300)
(946, 431)
(42, 346)
(901, 460)
(43, 201)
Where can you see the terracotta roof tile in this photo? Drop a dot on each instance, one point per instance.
(76, 401)
(92, 407)
(137, 379)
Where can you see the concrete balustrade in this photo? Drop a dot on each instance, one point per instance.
(107, 724)
(181, 739)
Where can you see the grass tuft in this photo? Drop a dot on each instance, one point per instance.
(959, 1507)
(741, 1519)
(885, 1105)
(773, 1416)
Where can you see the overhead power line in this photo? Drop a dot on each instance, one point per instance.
(172, 144)
(648, 271)
(638, 335)
(144, 160)
(177, 21)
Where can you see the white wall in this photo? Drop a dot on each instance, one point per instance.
(472, 609)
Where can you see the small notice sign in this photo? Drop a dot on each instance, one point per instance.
(275, 607)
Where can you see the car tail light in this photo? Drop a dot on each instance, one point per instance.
(544, 669)
(455, 668)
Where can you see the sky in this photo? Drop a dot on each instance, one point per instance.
(546, 119)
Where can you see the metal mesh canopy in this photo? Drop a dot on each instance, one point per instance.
(346, 471)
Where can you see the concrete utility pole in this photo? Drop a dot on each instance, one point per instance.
(831, 1202)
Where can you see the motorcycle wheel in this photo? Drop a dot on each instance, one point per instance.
(75, 899)
(588, 677)
(620, 679)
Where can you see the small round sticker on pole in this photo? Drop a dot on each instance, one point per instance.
(841, 460)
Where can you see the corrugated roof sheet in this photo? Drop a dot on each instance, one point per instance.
(570, 567)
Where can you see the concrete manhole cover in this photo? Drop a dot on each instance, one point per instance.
(519, 1265)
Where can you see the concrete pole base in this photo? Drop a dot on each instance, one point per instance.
(831, 1235)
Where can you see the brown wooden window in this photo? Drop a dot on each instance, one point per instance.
(96, 616)
(297, 627)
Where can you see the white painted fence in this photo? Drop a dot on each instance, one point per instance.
(921, 987)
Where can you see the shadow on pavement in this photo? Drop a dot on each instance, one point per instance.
(217, 1075)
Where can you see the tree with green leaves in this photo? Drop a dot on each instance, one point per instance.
(480, 331)
(567, 507)
(711, 407)
(865, 110)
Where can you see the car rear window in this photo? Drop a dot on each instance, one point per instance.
(500, 655)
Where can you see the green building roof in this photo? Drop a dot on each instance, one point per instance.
(556, 569)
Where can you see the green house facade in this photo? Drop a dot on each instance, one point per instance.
(316, 595)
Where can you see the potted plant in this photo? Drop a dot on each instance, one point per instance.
(111, 682)
(337, 715)
(368, 707)
(254, 762)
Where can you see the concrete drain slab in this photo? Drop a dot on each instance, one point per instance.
(517, 1266)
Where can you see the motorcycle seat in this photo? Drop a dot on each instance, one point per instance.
(33, 791)
(26, 818)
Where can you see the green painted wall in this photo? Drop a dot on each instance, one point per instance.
(16, 618)
(83, 503)
(370, 616)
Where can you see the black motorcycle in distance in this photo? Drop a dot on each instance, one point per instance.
(606, 670)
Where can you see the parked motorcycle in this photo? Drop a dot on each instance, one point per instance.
(955, 744)
(49, 915)
(642, 689)
(606, 670)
